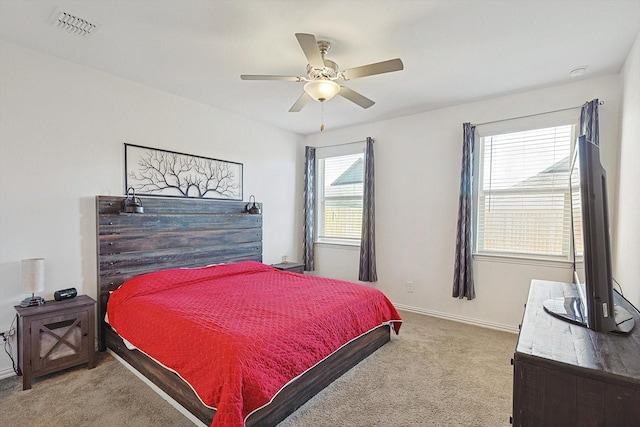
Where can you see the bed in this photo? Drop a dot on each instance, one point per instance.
(184, 233)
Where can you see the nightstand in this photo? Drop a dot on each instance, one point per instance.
(294, 267)
(55, 336)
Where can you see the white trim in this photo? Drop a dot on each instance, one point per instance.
(461, 319)
(540, 120)
(340, 244)
(565, 117)
(555, 263)
(322, 152)
(7, 373)
(321, 200)
(159, 391)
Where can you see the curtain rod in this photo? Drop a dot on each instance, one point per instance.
(344, 143)
(532, 115)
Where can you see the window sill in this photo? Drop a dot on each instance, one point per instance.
(565, 264)
(342, 244)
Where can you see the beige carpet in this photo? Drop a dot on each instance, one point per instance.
(435, 373)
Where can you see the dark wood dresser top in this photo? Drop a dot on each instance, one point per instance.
(547, 337)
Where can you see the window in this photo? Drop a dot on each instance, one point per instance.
(523, 194)
(339, 197)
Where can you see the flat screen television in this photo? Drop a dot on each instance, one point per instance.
(594, 307)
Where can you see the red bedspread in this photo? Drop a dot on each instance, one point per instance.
(238, 333)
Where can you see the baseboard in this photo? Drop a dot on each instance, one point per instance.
(159, 391)
(456, 318)
(6, 373)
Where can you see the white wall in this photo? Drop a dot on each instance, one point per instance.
(418, 162)
(627, 244)
(62, 130)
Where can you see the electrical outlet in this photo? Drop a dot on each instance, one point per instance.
(410, 287)
(8, 334)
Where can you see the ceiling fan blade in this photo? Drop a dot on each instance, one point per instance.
(301, 102)
(268, 77)
(310, 48)
(372, 69)
(355, 97)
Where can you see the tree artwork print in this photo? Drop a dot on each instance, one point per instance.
(157, 172)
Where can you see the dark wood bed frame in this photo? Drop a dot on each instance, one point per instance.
(177, 232)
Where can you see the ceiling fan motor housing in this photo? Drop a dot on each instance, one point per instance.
(330, 71)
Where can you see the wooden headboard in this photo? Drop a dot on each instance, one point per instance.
(172, 232)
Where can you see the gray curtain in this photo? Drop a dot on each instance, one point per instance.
(367, 271)
(309, 208)
(589, 122)
(463, 286)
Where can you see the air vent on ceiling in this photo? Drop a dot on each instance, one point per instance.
(73, 24)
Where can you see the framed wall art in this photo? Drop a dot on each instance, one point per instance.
(154, 172)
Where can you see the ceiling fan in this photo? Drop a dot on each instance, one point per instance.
(323, 74)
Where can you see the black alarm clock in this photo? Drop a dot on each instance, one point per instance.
(65, 294)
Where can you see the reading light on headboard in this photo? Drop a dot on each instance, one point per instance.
(252, 207)
(132, 204)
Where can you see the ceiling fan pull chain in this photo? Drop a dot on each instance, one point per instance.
(321, 116)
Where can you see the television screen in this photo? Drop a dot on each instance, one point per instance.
(576, 222)
(594, 306)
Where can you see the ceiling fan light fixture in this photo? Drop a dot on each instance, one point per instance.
(322, 90)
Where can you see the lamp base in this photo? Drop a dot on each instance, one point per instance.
(32, 301)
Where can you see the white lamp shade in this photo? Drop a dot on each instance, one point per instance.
(322, 90)
(33, 275)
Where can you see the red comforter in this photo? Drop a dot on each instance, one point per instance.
(238, 333)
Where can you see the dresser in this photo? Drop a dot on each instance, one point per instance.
(568, 375)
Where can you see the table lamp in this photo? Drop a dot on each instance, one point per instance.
(32, 281)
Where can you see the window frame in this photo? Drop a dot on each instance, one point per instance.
(545, 120)
(321, 154)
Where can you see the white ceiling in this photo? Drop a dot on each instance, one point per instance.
(454, 51)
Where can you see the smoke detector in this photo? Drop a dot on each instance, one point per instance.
(73, 24)
(578, 71)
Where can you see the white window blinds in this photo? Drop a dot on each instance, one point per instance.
(340, 185)
(524, 205)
